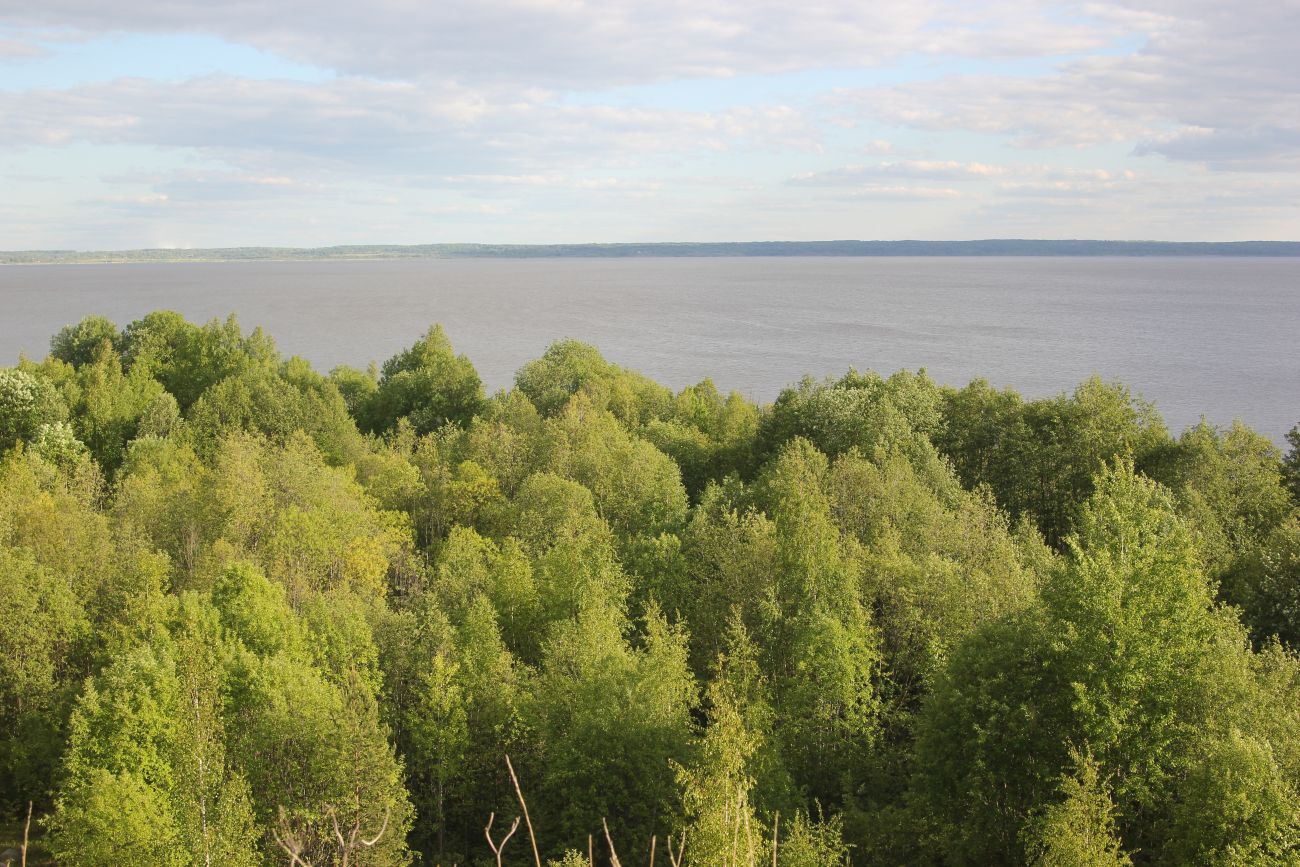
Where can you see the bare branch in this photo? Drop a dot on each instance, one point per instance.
(776, 832)
(498, 848)
(26, 830)
(681, 850)
(288, 841)
(537, 858)
(653, 839)
(613, 855)
(382, 828)
(338, 832)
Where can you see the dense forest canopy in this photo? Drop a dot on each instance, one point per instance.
(257, 614)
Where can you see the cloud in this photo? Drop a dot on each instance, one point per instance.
(590, 43)
(1264, 147)
(1015, 176)
(1212, 83)
(17, 49)
(901, 192)
(578, 118)
(925, 169)
(380, 127)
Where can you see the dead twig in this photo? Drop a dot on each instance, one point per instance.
(681, 850)
(613, 855)
(289, 842)
(350, 844)
(27, 827)
(537, 858)
(498, 848)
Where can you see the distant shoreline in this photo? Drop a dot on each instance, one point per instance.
(991, 247)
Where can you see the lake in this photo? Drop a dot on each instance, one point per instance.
(1198, 336)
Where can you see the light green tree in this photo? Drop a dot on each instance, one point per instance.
(1078, 830)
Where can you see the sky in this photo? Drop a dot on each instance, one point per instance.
(203, 123)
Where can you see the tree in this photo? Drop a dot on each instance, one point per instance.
(859, 410)
(1291, 464)
(820, 648)
(717, 789)
(1128, 656)
(636, 487)
(111, 405)
(1268, 587)
(1079, 829)
(1229, 486)
(1237, 808)
(1039, 458)
(146, 775)
(318, 752)
(82, 343)
(187, 359)
(45, 625)
(569, 367)
(28, 403)
(607, 719)
(428, 384)
(265, 402)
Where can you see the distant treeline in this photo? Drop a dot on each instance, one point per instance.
(991, 247)
(255, 614)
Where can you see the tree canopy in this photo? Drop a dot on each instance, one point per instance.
(256, 614)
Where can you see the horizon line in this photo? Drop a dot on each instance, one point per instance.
(663, 249)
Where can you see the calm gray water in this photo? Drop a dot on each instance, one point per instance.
(1204, 336)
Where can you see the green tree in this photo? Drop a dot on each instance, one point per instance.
(859, 410)
(28, 403)
(1291, 463)
(569, 367)
(1268, 586)
(717, 789)
(145, 774)
(636, 488)
(1079, 829)
(111, 404)
(1237, 808)
(1039, 458)
(1229, 485)
(1128, 655)
(187, 359)
(82, 343)
(318, 752)
(607, 719)
(45, 627)
(428, 384)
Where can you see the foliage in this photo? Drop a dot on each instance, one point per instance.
(28, 403)
(253, 612)
(428, 384)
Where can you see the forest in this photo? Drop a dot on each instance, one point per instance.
(257, 614)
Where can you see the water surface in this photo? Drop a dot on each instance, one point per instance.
(1198, 336)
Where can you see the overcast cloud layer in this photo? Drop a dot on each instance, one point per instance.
(179, 123)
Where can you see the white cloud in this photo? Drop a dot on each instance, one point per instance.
(380, 127)
(928, 169)
(517, 111)
(590, 43)
(1213, 83)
